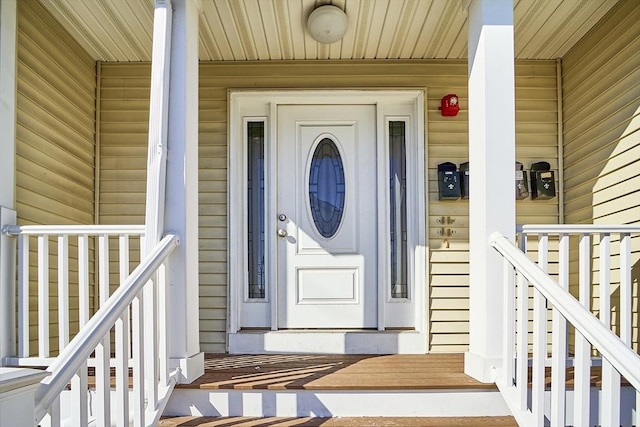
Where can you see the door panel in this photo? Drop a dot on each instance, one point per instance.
(326, 188)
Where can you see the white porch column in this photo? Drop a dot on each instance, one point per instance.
(492, 168)
(8, 31)
(181, 208)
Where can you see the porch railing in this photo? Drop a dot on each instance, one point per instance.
(132, 320)
(528, 354)
(80, 256)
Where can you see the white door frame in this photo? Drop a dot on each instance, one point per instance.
(391, 105)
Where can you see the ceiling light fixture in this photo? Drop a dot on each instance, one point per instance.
(327, 24)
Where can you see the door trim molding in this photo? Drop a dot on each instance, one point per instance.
(262, 105)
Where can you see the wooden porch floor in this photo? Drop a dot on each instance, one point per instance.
(335, 372)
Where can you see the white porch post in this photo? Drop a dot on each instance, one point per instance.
(8, 31)
(491, 159)
(181, 209)
(172, 176)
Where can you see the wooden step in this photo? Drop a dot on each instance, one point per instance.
(338, 422)
(328, 385)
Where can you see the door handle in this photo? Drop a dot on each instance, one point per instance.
(282, 232)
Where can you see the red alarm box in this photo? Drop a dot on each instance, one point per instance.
(449, 105)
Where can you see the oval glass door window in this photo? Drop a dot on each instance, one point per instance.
(326, 188)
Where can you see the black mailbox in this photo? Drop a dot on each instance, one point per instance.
(522, 184)
(448, 183)
(543, 184)
(464, 180)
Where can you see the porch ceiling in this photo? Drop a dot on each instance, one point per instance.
(240, 30)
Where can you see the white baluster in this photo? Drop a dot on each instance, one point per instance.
(509, 324)
(151, 343)
(610, 409)
(54, 413)
(626, 298)
(540, 339)
(137, 352)
(83, 279)
(122, 344)
(23, 295)
(625, 288)
(559, 343)
(539, 356)
(103, 350)
(63, 291)
(163, 328)
(43, 296)
(582, 364)
(79, 391)
(522, 351)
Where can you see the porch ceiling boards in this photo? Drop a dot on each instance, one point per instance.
(241, 30)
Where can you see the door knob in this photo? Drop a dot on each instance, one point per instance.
(282, 232)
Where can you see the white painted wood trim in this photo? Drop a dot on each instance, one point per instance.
(355, 341)
(272, 211)
(79, 385)
(522, 351)
(23, 297)
(577, 228)
(383, 201)
(625, 289)
(8, 251)
(492, 153)
(559, 342)
(123, 343)
(83, 279)
(158, 122)
(74, 356)
(182, 183)
(612, 348)
(327, 403)
(137, 354)
(250, 105)
(17, 389)
(618, 358)
(72, 230)
(419, 264)
(582, 347)
(63, 290)
(234, 226)
(8, 82)
(509, 368)
(43, 296)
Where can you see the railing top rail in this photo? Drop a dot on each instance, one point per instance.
(623, 358)
(577, 228)
(71, 357)
(35, 230)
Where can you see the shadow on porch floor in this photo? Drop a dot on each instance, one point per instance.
(335, 372)
(338, 422)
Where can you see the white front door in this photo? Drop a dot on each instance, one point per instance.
(327, 216)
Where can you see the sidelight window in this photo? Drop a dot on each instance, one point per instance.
(255, 213)
(398, 208)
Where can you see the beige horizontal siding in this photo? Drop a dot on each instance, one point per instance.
(601, 77)
(56, 83)
(124, 117)
(536, 140)
(124, 106)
